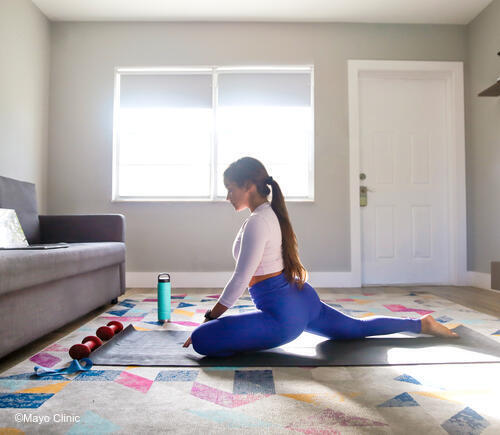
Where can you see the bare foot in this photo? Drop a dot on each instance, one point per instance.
(433, 327)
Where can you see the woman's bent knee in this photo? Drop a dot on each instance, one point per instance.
(200, 339)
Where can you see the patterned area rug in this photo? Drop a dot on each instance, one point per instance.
(431, 399)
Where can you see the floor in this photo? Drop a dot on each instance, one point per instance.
(486, 301)
(397, 399)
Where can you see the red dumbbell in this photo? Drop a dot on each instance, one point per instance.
(89, 343)
(107, 332)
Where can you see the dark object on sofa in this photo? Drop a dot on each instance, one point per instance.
(42, 290)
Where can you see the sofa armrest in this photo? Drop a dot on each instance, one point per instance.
(82, 228)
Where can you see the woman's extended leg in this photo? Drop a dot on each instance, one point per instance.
(332, 323)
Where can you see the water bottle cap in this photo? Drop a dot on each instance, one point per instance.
(164, 277)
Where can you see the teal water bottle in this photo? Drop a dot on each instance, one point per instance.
(164, 297)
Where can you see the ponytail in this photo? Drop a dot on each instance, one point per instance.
(294, 270)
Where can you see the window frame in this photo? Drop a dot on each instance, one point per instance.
(213, 70)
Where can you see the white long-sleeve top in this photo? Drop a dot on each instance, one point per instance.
(257, 251)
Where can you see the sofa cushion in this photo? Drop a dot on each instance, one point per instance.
(21, 196)
(25, 268)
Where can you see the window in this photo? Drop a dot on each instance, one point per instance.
(176, 130)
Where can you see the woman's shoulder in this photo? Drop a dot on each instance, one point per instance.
(257, 222)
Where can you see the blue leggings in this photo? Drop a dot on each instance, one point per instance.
(284, 312)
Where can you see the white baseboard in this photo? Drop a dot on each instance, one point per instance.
(316, 279)
(478, 279)
(220, 279)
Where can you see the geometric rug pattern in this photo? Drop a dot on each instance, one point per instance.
(430, 399)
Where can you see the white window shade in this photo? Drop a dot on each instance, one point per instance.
(165, 135)
(166, 90)
(265, 89)
(267, 116)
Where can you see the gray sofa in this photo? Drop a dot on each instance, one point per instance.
(42, 290)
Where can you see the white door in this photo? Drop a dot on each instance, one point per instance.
(404, 230)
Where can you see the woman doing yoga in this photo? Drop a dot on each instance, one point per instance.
(267, 262)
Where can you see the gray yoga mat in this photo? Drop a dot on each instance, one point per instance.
(164, 348)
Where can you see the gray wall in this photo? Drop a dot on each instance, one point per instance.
(483, 140)
(198, 236)
(24, 89)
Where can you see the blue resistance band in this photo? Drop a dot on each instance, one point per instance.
(74, 367)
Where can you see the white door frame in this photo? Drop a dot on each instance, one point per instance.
(452, 72)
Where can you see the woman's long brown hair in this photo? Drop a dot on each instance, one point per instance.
(248, 169)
